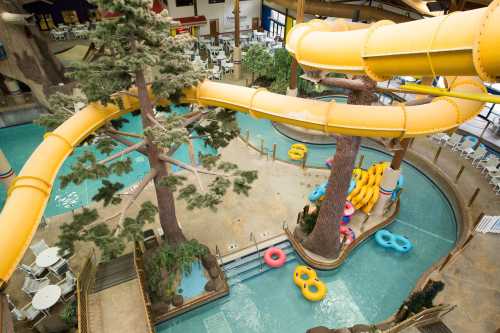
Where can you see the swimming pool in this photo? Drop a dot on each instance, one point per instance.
(367, 288)
(18, 142)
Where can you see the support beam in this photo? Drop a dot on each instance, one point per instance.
(292, 89)
(399, 155)
(237, 48)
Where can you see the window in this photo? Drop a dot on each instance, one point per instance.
(215, 1)
(277, 24)
(70, 17)
(183, 3)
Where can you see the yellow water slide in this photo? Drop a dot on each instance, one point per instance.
(356, 51)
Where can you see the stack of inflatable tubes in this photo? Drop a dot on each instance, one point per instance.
(366, 192)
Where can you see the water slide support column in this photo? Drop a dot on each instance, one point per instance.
(299, 18)
(237, 48)
(390, 179)
(7, 175)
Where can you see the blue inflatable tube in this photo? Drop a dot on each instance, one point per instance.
(387, 239)
(318, 192)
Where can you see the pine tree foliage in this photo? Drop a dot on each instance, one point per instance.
(136, 44)
(62, 107)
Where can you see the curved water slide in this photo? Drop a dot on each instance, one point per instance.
(318, 46)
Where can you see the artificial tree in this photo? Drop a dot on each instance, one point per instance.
(325, 237)
(258, 61)
(137, 45)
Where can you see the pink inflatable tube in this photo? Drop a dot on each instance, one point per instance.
(274, 257)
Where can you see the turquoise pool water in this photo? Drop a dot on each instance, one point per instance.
(19, 142)
(367, 288)
(193, 284)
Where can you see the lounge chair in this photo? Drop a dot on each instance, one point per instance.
(440, 138)
(454, 140)
(471, 153)
(462, 146)
(490, 165)
(59, 268)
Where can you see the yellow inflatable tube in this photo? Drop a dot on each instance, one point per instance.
(301, 271)
(318, 294)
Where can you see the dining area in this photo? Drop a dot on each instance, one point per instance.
(70, 32)
(46, 285)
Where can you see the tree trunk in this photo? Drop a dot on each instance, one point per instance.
(324, 239)
(164, 196)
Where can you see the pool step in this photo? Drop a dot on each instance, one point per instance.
(252, 256)
(248, 266)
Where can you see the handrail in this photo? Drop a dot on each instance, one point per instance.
(84, 283)
(422, 317)
(252, 238)
(138, 267)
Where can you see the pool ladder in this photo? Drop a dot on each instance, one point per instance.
(252, 238)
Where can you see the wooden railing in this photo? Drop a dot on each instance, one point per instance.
(84, 284)
(139, 269)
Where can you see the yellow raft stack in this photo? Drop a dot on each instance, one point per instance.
(366, 193)
(297, 151)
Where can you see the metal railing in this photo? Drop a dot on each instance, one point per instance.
(423, 318)
(139, 269)
(84, 283)
(252, 238)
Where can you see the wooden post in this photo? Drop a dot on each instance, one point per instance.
(411, 142)
(304, 161)
(262, 146)
(478, 220)
(274, 152)
(437, 154)
(293, 67)
(399, 155)
(247, 139)
(361, 159)
(474, 196)
(459, 173)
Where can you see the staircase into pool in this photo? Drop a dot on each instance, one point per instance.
(249, 265)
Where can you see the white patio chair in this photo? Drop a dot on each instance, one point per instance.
(38, 247)
(454, 140)
(68, 284)
(17, 314)
(490, 165)
(59, 268)
(31, 285)
(495, 181)
(32, 270)
(216, 73)
(31, 313)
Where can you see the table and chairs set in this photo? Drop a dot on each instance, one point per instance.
(67, 32)
(47, 281)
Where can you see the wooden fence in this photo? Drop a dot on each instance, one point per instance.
(139, 269)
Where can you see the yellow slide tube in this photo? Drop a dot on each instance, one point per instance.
(461, 43)
(28, 195)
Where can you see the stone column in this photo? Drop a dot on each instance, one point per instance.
(237, 63)
(14, 91)
(7, 175)
(387, 186)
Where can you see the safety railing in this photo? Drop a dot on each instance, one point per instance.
(139, 269)
(84, 284)
(423, 318)
(252, 239)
